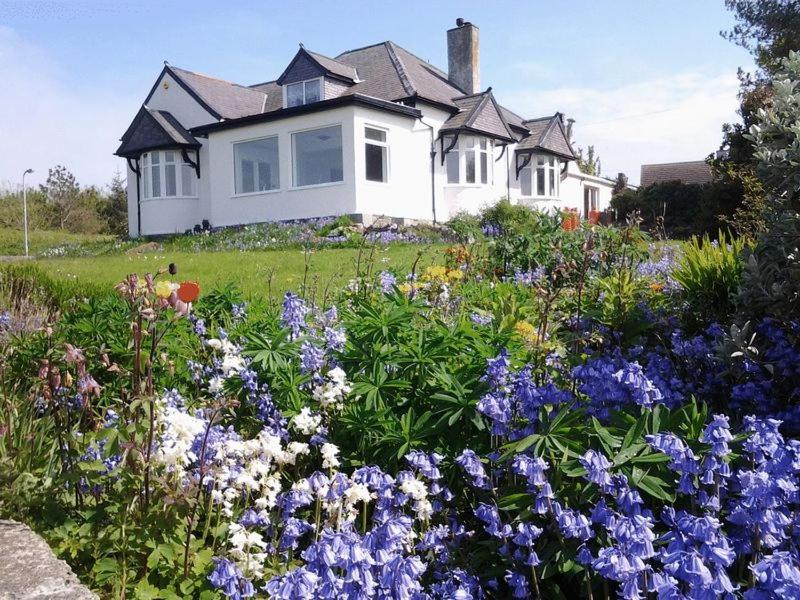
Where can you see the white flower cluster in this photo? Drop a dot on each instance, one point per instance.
(248, 550)
(178, 432)
(232, 362)
(306, 423)
(332, 392)
(252, 467)
(329, 453)
(418, 492)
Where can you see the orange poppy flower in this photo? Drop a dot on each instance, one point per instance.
(188, 291)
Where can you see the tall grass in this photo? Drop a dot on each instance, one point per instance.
(709, 274)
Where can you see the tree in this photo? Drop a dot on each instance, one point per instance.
(591, 163)
(114, 209)
(776, 136)
(769, 29)
(63, 194)
(620, 184)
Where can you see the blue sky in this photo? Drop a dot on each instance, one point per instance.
(646, 81)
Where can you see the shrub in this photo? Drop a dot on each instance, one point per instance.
(709, 273)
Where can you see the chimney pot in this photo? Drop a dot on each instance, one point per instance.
(570, 123)
(463, 57)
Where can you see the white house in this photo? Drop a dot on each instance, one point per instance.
(374, 132)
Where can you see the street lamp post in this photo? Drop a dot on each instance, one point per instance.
(25, 208)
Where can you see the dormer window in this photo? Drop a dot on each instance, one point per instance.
(303, 92)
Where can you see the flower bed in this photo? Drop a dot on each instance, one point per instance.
(525, 421)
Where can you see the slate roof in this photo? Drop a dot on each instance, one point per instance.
(274, 95)
(391, 72)
(547, 134)
(225, 99)
(152, 129)
(387, 72)
(479, 113)
(335, 67)
(694, 171)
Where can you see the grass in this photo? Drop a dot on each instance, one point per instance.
(254, 272)
(12, 240)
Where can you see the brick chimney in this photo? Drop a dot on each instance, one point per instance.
(464, 57)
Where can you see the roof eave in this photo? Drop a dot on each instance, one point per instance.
(473, 131)
(285, 113)
(139, 151)
(540, 150)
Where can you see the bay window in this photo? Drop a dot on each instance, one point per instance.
(376, 154)
(317, 156)
(541, 177)
(303, 92)
(256, 166)
(470, 161)
(166, 175)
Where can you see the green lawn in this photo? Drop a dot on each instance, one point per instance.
(12, 244)
(251, 271)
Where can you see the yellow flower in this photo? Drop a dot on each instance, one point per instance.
(437, 273)
(656, 286)
(163, 289)
(404, 287)
(455, 275)
(526, 331)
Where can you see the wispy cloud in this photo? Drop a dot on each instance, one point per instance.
(46, 121)
(671, 118)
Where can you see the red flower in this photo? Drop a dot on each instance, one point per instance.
(188, 291)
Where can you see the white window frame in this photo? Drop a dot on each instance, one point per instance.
(294, 185)
(554, 169)
(303, 82)
(180, 165)
(461, 149)
(385, 145)
(233, 179)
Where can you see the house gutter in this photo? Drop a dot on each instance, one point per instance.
(138, 171)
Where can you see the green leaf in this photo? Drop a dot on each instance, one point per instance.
(655, 487)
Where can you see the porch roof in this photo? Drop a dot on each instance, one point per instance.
(152, 130)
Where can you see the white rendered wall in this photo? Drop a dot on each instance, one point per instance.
(407, 191)
(177, 101)
(287, 202)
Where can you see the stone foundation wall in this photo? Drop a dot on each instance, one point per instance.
(30, 571)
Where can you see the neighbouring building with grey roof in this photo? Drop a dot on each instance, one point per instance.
(373, 132)
(694, 171)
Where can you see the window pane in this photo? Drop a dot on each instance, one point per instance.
(155, 176)
(470, 166)
(376, 162)
(540, 160)
(317, 156)
(187, 180)
(312, 91)
(294, 94)
(553, 182)
(451, 160)
(484, 167)
(256, 166)
(147, 189)
(483, 143)
(155, 158)
(169, 157)
(540, 181)
(248, 180)
(170, 178)
(525, 181)
(375, 134)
